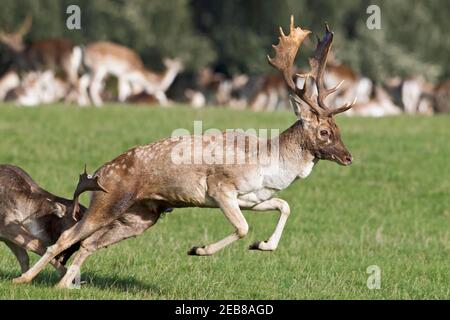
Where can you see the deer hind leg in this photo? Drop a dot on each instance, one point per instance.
(162, 98)
(72, 63)
(131, 224)
(83, 92)
(21, 255)
(272, 204)
(96, 86)
(94, 219)
(124, 89)
(228, 203)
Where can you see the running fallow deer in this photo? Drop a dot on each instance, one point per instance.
(32, 218)
(107, 58)
(148, 180)
(58, 54)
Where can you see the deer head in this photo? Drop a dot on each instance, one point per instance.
(321, 134)
(14, 40)
(85, 183)
(173, 64)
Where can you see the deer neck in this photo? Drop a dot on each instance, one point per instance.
(295, 157)
(167, 77)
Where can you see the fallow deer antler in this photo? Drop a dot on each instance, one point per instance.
(25, 26)
(286, 51)
(21, 30)
(85, 183)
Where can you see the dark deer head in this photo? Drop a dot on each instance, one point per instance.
(14, 40)
(322, 135)
(85, 183)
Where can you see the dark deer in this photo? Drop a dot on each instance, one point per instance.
(31, 218)
(146, 181)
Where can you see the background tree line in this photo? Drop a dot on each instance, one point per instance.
(234, 36)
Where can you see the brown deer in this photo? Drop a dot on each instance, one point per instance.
(270, 94)
(106, 58)
(57, 54)
(442, 97)
(146, 181)
(31, 218)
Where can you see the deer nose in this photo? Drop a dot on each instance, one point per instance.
(348, 160)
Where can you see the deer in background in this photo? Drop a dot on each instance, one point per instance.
(57, 54)
(8, 82)
(270, 94)
(41, 88)
(31, 218)
(442, 97)
(146, 181)
(107, 58)
(379, 104)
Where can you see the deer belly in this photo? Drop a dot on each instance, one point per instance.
(36, 229)
(252, 198)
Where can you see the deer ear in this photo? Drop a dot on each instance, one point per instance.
(59, 210)
(301, 110)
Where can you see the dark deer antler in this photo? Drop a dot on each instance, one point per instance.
(286, 51)
(85, 183)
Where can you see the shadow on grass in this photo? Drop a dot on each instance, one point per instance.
(124, 284)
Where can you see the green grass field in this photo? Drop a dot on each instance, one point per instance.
(391, 208)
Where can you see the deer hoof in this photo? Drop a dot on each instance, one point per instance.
(63, 285)
(262, 246)
(20, 280)
(197, 251)
(254, 246)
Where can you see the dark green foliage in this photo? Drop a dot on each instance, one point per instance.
(235, 35)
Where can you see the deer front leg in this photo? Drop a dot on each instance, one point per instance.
(124, 89)
(96, 86)
(19, 236)
(162, 98)
(272, 204)
(228, 203)
(78, 232)
(129, 225)
(21, 255)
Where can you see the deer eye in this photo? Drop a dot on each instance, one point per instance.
(323, 133)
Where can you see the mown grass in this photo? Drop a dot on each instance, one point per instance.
(391, 208)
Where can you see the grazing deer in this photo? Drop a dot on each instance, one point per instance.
(33, 219)
(107, 58)
(41, 88)
(379, 105)
(58, 54)
(145, 181)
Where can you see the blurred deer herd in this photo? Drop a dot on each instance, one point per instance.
(51, 70)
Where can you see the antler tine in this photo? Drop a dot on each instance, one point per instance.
(85, 183)
(25, 26)
(286, 51)
(344, 108)
(302, 93)
(318, 64)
